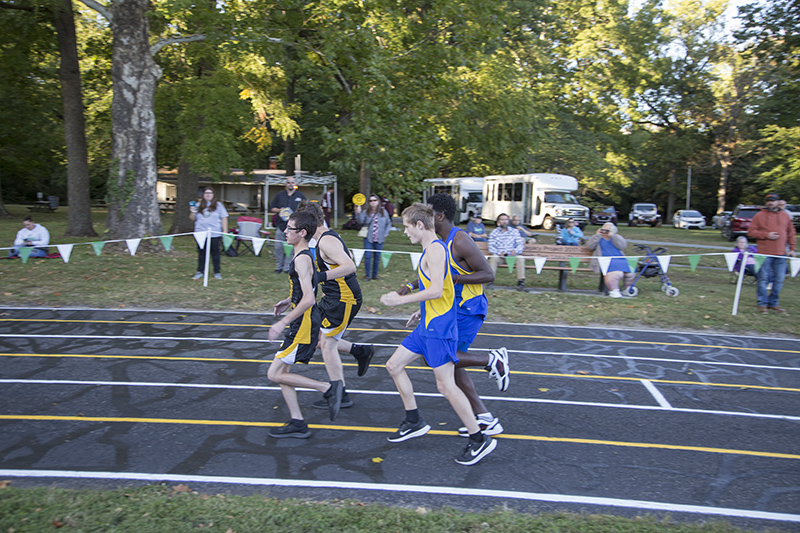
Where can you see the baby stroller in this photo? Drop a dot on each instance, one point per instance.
(649, 268)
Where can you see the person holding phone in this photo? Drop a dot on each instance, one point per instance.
(209, 214)
(607, 242)
(31, 234)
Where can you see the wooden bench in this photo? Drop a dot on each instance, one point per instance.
(559, 253)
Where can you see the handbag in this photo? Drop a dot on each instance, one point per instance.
(363, 232)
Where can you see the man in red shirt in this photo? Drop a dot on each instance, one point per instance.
(773, 230)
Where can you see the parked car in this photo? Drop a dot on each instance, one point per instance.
(688, 218)
(644, 214)
(717, 221)
(739, 222)
(604, 213)
(794, 210)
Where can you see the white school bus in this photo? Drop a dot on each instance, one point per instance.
(538, 199)
(467, 192)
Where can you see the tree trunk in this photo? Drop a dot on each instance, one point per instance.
(364, 181)
(3, 211)
(79, 215)
(673, 184)
(188, 181)
(724, 155)
(134, 211)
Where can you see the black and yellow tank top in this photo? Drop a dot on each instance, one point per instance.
(344, 289)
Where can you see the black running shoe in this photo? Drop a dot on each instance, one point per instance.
(291, 430)
(476, 451)
(408, 430)
(334, 398)
(323, 403)
(365, 359)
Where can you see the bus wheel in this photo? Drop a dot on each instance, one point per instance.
(547, 224)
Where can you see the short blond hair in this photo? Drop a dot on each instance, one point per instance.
(419, 213)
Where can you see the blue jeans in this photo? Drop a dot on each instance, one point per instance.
(371, 259)
(773, 270)
(36, 252)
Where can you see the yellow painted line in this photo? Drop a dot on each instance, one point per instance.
(406, 331)
(392, 430)
(515, 372)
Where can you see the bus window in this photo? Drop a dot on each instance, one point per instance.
(518, 192)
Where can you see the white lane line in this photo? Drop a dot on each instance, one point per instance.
(656, 394)
(422, 489)
(472, 349)
(395, 393)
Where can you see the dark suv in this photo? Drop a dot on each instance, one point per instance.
(739, 222)
(604, 213)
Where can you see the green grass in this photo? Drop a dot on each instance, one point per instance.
(177, 508)
(156, 279)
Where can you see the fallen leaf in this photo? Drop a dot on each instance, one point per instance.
(58, 523)
(582, 372)
(181, 488)
(377, 460)
(5, 483)
(544, 390)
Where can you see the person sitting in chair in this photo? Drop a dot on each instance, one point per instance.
(572, 235)
(32, 234)
(742, 246)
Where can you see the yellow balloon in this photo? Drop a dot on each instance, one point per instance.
(359, 199)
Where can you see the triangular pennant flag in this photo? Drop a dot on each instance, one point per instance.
(65, 250)
(133, 244)
(574, 262)
(794, 263)
(25, 253)
(694, 260)
(258, 243)
(358, 255)
(633, 263)
(98, 247)
(385, 256)
(287, 249)
(510, 260)
(663, 262)
(415, 257)
(730, 259)
(539, 263)
(200, 237)
(759, 261)
(604, 262)
(166, 242)
(227, 240)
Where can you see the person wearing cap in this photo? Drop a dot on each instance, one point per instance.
(571, 235)
(476, 228)
(773, 231)
(282, 206)
(516, 224)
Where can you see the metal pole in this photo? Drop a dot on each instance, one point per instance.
(689, 191)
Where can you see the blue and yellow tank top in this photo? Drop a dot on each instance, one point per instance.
(438, 317)
(346, 289)
(470, 298)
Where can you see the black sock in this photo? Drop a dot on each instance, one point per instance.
(356, 350)
(476, 437)
(298, 422)
(412, 416)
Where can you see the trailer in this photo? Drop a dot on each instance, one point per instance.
(538, 199)
(467, 192)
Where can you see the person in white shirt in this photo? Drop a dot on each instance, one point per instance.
(32, 234)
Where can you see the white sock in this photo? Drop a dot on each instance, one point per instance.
(486, 417)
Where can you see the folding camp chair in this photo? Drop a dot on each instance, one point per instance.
(249, 227)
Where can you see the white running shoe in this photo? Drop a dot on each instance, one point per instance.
(498, 367)
(488, 427)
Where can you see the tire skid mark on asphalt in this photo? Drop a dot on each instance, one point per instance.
(406, 331)
(372, 429)
(514, 372)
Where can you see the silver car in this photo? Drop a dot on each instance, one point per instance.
(717, 221)
(688, 218)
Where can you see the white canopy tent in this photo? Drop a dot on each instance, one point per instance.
(304, 179)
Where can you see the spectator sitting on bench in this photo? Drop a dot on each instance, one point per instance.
(607, 242)
(504, 242)
(526, 234)
(476, 229)
(572, 234)
(32, 234)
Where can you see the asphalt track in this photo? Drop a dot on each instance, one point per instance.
(694, 426)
